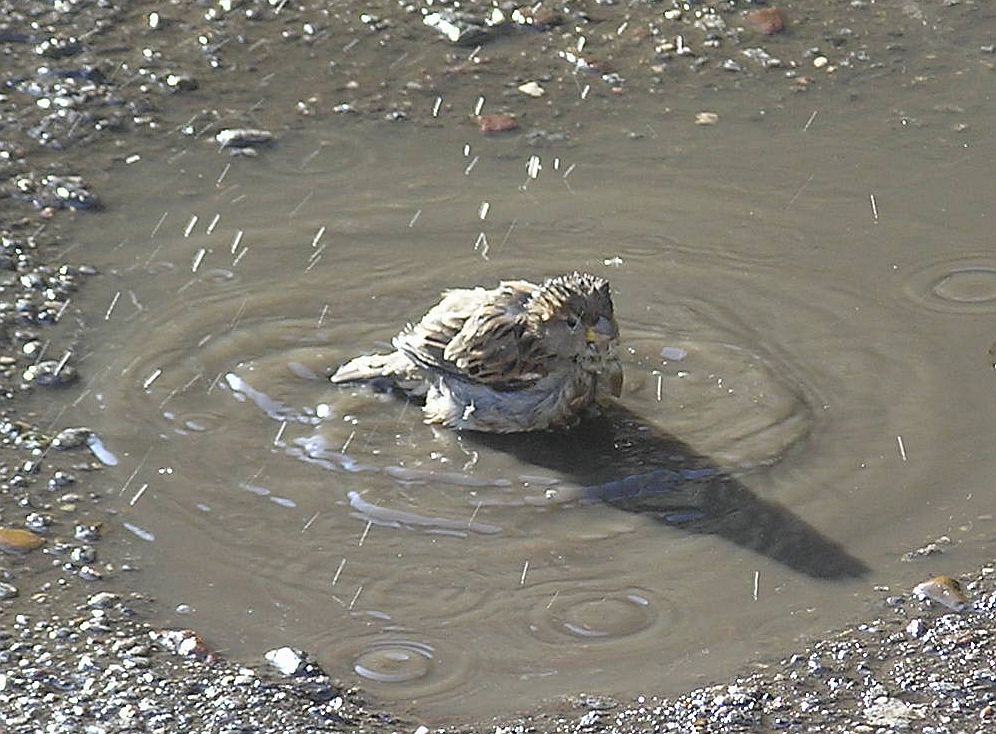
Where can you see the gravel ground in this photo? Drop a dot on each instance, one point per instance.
(79, 77)
(914, 668)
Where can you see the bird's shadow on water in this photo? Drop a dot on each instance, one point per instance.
(620, 461)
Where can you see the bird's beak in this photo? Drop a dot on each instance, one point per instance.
(604, 330)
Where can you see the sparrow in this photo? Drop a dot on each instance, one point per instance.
(519, 357)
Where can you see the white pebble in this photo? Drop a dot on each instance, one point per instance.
(285, 659)
(532, 89)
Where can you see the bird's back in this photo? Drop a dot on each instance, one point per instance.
(478, 335)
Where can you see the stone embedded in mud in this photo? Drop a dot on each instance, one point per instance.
(945, 591)
(464, 29)
(185, 642)
(102, 600)
(181, 82)
(285, 659)
(706, 118)
(916, 628)
(497, 123)
(87, 532)
(893, 713)
(89, 573)
(60, 479)
(766, 20)
(532, 89)
(55, 192)
(242, 137)
(293, 662)
(537, 17)
(595, 67)
(59, 47)
(762, 57)
(15, 540)
(71, 438)
(82, 555)
(932, 548)
(36, 521)
(50, 373)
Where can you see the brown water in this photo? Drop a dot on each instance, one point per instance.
(823, 266)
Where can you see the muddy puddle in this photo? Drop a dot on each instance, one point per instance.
(806, 294)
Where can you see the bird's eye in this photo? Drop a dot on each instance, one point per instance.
(573, 322)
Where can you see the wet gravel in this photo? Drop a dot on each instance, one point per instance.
(98, 668)
(80, 80)
(914, 667)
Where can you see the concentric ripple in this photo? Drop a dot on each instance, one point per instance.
(401, 665)
(590, 613)
(177, 373)
(395, 661)
(693, 379)
(458, 595)
(962, 285)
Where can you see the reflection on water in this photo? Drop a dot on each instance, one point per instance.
(780, 343)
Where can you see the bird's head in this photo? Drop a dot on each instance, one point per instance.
(577, 314)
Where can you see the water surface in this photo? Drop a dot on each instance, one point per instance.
(806, 293)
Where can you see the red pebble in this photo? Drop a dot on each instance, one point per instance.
(496, 123)
(766, 20)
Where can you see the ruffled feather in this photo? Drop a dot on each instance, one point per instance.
(519, 357)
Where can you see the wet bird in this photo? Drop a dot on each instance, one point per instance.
(519, 357)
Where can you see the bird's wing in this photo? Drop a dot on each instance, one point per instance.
(479, 335)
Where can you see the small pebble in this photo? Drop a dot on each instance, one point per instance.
(706, 118)
(673, 354)
(242, 137)
(182, 83)
(497, 123)
(71, 438)
(916, 628)
(286, 659)
(532, 89)
(185, 642)
(102, 600)
(89, 573)
(766, 20)
(50, 373)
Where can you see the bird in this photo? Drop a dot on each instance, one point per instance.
(519, 357)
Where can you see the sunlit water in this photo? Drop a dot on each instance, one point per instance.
(806, 313)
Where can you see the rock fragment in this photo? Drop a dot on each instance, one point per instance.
(766, 20)
(497, 123)
(15, 540)
(945, 591)
(243, 137)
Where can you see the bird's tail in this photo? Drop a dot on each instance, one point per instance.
(374, 367)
